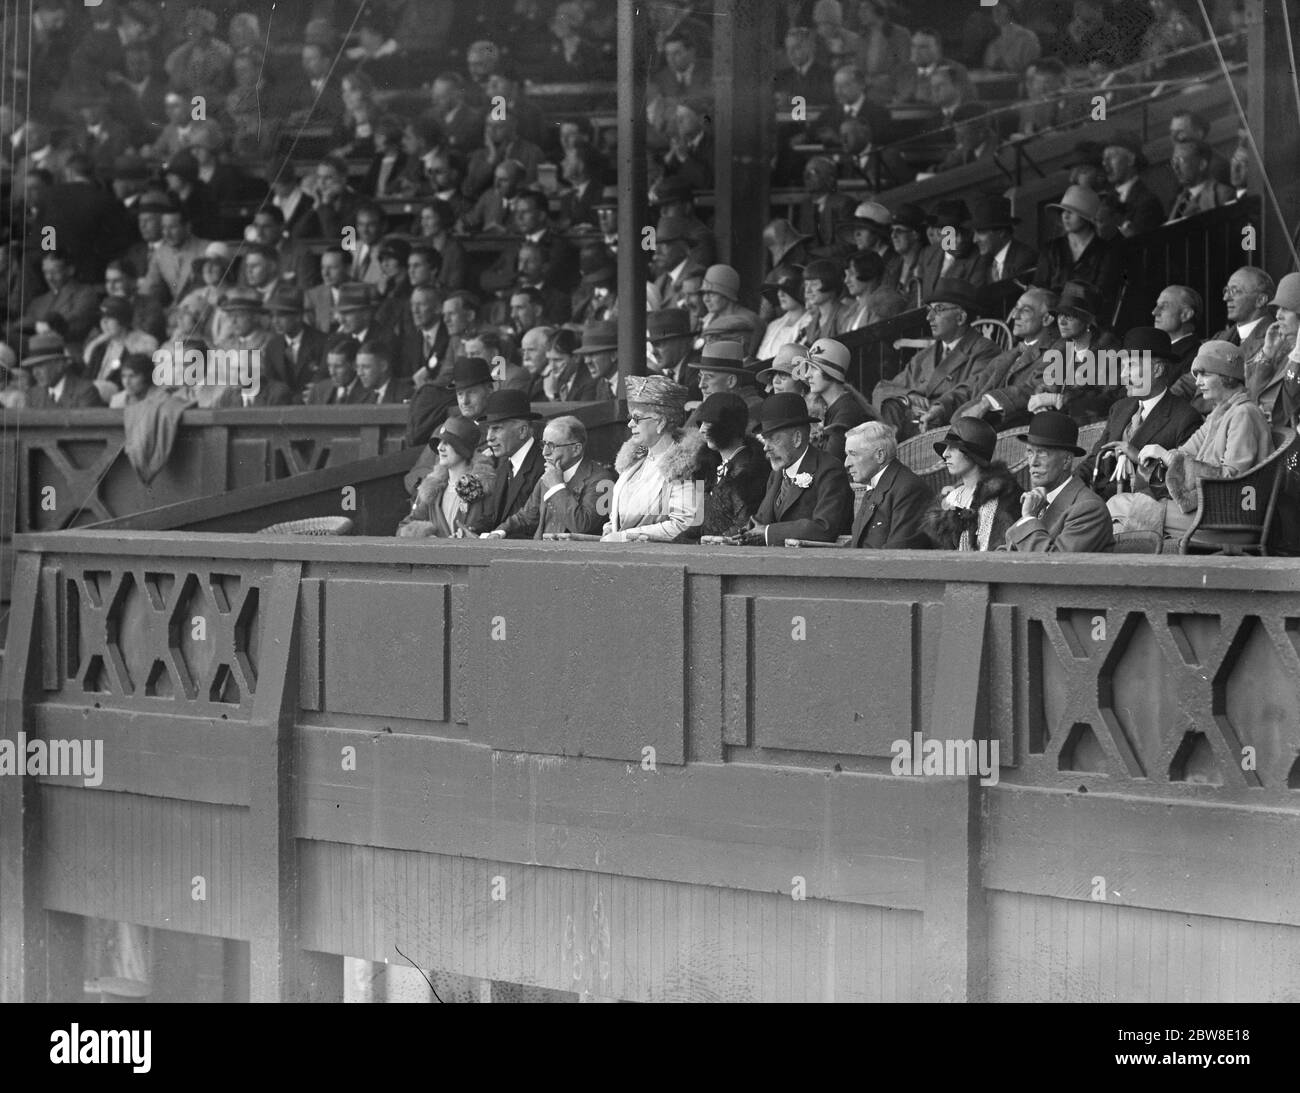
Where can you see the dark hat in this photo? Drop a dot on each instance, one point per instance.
(355, 296)
(1147, 339)
(722, 357)
(1087, 153)
(461, 433)
(908, 215)
(670, 229)
(599, 337)
(1053, 429)
(992, 211)
(671, 189)
(43, 349)
(156, 203)
(608, 198)
(951, 213)
(791, 285)
(508, 404)
(976, 438)
(951, 290)
(117, 307)
(285, 298)
(724, 408)
(824, 270)
(783, 411)
(1130, 142)
(395, 247)
(241, 299)
(1080, 300)
(601, 275)
(667, 322)
(183, 164)
(470, 372)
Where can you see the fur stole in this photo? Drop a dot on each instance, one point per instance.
(1182, 481)
(680, 463)
(945, 526)
(433, 483)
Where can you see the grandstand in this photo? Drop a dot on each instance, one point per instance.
(467, 251)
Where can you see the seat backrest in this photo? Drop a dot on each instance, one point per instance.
(1088, 436)
(995, 330)
(1249, 501)
(1014, 454)
(918, 454)
(1138, 542)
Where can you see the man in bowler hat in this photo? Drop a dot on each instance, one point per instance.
(1059, 514)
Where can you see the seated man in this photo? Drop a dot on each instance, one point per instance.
(1013, 376)
(941, 377)
(509, 420)
(48, 359)
(896, 500)
(375, 371)
(1059, 514)
(342, 388)
(721, 367)
(1266, 368)
(808, 494)
(1149, 414)
(569, 495)
(432, 404)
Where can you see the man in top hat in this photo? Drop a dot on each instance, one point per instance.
(955, 257)
(1080, 254)
(295, 354)
(1059, 514)
(341, 388)
(1266, 368)
(721, 292)
(721, 367)
(1124, 163)
(508, 419)
(808, 494)
(1148, 414)
(668, 342)
(600, 347)
(571, 496)
(48, 359)
(943, 376)
(1002, 255)
(825, 370)
(674, 196)
(896, 500)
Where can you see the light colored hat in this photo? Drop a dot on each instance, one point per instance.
(724, 280)
(831, 357)
(1221, 358)
(217, 250)
(1081, 200)
(1288, 292)
(657, 392)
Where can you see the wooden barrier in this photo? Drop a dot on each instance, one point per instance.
(659, 772)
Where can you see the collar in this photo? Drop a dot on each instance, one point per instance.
(1244, 330)
(875, 478)
(568, 475)
(676, 272)
(56, 392)
(793, 470)
(517, 460)
(857, 107)
(1149, 404)
(1125, 188)
(536, 237)
(948, 347)
(1199, 188)
(1001, 256)
(1051, 497)
(294, 341)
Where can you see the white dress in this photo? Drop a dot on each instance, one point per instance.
(654, 494)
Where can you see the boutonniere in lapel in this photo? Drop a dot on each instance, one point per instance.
(803, 480)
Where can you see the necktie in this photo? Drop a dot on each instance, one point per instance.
(1134, 423)
(340, 394)
(783, 493)
(1181, 205)
(290, 353)
(1234, 336)
(997, 271)
(948, 260)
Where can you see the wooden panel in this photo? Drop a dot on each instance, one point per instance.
(599, 670)
(1043, 949)
(735, 670)
(819, 685)
(134, 859)
(604, 936)
(704, 679)
(385, 648)
(311, 649)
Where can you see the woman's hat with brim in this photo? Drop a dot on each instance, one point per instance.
(600, 337)
(1079, 300)
(1221, 358)
(508, 404)
(723, 280)
(45, 349)
(1079, 200)
(976, 438)
(1288, 293)
(724, 408)
(722, 357)
(657, 393)
(461, 433)
(830, 357)
(783, 411)
(1053, 429)
(783, 363)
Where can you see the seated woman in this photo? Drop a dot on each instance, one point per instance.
(975, 513)
(1076, 388)
(1234, 438)
(104, 353)
(454, 494)
(136, 374)
(786, 296)
(659, 492)
(736, 488)
(780, 377)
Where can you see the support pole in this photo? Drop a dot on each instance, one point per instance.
(1271, 108)
(633, 64)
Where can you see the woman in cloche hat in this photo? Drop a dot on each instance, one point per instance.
(661, 469)
(975, 512)
(453, 496)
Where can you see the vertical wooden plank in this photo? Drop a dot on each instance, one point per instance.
(215, 460)
(704, 721)
(51, 631)
(271, 885)
(735, 670)
(311, 607)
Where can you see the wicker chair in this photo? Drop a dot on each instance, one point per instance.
(917, 454)
(996, 331)
(1224, 522)
(312, 525)
(1012, 452)
(1088, 436)
(1138, 542)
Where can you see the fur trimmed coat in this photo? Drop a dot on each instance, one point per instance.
(997, 498)
(1233, 439)
(659, 496)
(426, 519)
(731, 500)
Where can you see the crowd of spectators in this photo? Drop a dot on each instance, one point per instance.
(376, 201)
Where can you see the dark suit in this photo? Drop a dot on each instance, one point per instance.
(890, 515)
(78, 394)
(270, 393)
(821, 512)
(1143, 210)
(323, 393)
(430, 406)
(398, 390)
(946, 380)
(815, 85)
(559, 271)
(1076, 522)
(1254, 341)
(510, 491)
(821, 223)
(1020, 259)
(967, 265)
(1170, 422)
(306, 369)
(578, 386)
(665, 82)
(826, 128)
(1100, 265)
(576, 508)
